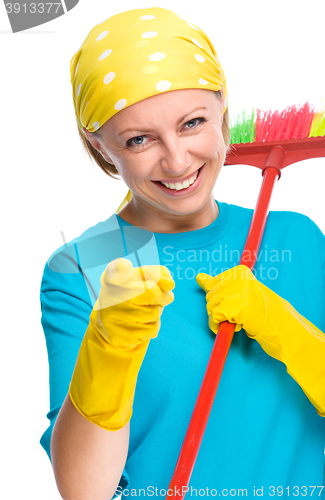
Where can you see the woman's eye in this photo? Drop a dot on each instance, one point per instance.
(136, 141)
(194, 122)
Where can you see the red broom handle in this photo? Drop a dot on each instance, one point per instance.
(178, 486)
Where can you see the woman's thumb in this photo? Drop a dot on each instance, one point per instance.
(202, 279)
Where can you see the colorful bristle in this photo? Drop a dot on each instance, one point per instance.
(243, 129)
(318, 125)
(294, 122)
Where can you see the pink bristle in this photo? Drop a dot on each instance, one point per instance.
(294, 122)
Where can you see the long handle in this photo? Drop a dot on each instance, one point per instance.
(178, 486)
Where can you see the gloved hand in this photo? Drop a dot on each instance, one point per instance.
(238, 297)
(124, 319)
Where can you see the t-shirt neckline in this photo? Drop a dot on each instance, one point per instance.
(197, 238)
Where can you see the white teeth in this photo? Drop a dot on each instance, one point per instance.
(182, 185)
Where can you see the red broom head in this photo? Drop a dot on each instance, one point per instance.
(298, 131)
(294, 122)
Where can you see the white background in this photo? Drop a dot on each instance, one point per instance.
(272, 54)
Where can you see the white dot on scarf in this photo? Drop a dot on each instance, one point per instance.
(96, 125)
(199, 58)
(109, 78)
(105, 54)
(102, 35)
(192, 26)
(79, 88)
(76, 69)
(151, 68)
(157, 56)
(202, 82)
(120, 104)
(149, 34)
(196, 43)
(141, 43)
(107, 18)
(146, 18)
(163, 85)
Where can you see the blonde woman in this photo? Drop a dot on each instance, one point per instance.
(127, 306)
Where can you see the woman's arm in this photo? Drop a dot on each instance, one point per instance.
(237, 296)
(87, 460)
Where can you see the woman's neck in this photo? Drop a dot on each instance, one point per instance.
(157, 221)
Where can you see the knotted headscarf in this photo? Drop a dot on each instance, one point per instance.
(138, 54)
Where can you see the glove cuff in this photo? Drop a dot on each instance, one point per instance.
(104, 379)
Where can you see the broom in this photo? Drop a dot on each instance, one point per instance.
(270, 141)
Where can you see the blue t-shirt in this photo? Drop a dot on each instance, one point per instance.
(263, 432)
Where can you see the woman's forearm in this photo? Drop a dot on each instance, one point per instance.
(87, 460)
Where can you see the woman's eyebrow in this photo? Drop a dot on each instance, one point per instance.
(131, 129)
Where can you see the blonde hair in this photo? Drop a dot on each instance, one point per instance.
(110, 169)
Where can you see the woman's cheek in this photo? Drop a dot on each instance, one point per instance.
(208, 145)
(136, 171)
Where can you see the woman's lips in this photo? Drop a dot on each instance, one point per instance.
(190, 189)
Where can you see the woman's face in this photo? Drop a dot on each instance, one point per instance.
(173, 138)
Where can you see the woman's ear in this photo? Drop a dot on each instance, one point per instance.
(96, 144)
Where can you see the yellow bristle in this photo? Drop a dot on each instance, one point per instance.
(317, 128)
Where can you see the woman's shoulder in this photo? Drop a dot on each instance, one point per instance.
(282, 218)
(88, 250)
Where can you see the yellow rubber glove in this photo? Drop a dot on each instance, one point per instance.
(124, 319)
(238, 297)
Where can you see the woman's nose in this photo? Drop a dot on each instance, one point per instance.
(176, 157)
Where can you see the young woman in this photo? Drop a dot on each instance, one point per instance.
(151, 104)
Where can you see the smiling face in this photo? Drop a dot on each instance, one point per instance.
(169, 150)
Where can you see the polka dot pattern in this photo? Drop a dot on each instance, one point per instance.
(158, 56)
(109, 78)
(105, 54)
(151, 68)
(101, 36)
(199, 58)
(163, 85)
(149, 34)
(120, 104)
(135, 55)
(196, 43)
(142, 43)
(192, 26)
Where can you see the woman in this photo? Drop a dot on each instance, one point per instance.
(150, 100)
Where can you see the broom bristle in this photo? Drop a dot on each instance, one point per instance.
(294, 122)
(318, 125)
(243, 128)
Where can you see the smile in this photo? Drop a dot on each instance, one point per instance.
(186, 186)
(182, 185)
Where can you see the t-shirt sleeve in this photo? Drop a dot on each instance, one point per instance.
(320, 238)
(65, 308)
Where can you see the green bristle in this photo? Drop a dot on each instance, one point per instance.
(318, 125)
(243, 128)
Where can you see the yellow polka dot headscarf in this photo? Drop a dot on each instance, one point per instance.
(138, 54)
